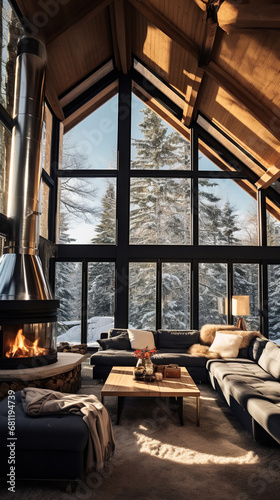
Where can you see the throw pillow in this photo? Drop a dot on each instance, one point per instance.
(226, 345)
(140, 339)
(120, 342)
(247, 336)
(208, 332)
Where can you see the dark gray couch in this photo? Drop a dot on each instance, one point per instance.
(172, 346)
(251, 387)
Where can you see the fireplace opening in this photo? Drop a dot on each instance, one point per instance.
(28, 333)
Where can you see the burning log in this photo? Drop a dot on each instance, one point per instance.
(23, 348)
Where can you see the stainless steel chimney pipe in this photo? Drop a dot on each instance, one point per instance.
(21, 274)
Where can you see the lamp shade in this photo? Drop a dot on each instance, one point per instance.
(240, 305)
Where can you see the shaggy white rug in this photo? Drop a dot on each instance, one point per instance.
(158, 459)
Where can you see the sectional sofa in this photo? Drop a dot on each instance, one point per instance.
(251, 387)
(249, 383)
(172, 346)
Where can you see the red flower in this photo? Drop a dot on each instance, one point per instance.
(144, 353)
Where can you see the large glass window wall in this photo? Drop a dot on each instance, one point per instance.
(141, 224)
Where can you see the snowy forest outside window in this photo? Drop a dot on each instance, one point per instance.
(245, 282)
(45, 194)
(142, 295)
(227, 214)
(273, 230)
(175, 295)
(154, 144)
(212, 293)
(9, 35)
(5, 146)
(87, 210)
(273, 272)
(68, 289)
(160, 211)
(101, 299)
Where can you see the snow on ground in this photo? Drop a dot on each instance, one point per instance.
(96, 325)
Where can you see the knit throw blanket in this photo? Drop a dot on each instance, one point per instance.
(101, 445)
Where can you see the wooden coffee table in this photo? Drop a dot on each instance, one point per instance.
(120, 383)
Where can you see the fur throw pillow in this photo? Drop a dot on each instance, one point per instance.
(208, 332)
(246, 335)
(203, 351)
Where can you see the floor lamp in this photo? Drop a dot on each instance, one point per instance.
(241, 307)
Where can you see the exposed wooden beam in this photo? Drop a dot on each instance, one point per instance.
(193, 87)
(191, 96)
(162, 23)
(208, 41)
(271, 175)
(114, 36)
(78, 16)
(118, 23)
(233, 16)
(254, 106)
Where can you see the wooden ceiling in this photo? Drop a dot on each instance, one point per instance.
(222, 56)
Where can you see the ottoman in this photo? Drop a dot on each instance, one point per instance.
(47, 447)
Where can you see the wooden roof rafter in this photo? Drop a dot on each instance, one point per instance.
(270, 176)
(194, 88)
(120, 34)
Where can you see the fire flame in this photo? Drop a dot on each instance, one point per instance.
(23, 348)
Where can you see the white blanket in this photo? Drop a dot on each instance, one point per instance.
(38, 402)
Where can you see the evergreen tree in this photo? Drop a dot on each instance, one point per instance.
(160, 208)
(245, 282)
(273, 306)
(142, 295)
(101, 275)
(212, 287)
(66, 285)
(175, 295)
(229, 225)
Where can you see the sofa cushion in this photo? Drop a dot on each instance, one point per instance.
(226, 344)
(164, 357)
(119, 342)
(256, 348)
(222, 368)
(176, 339)
(141, 339)
(269, 359)
(113, 357)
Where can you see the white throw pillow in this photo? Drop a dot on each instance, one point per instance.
(226, 345)
(140, 339)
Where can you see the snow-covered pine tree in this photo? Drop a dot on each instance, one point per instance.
(160, 207)
(175, 295)
(66, 285)
(101, 275)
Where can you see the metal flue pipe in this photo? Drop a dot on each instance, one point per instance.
(21, 274)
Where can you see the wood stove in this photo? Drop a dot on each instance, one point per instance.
(28, 313)
(28, 333)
